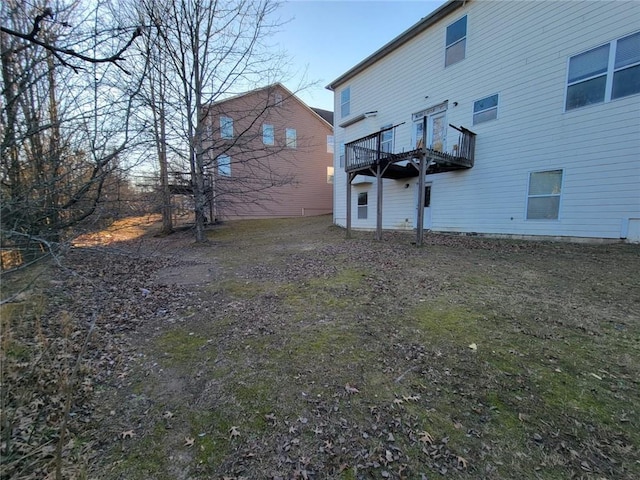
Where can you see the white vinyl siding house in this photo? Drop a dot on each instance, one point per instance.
(541, 168)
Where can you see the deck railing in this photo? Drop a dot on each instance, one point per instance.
(363, 152)
(466, 146)
(367, 151)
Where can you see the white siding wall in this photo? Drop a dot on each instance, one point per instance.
(519, 50)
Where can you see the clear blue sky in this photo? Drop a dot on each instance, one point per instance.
(325, 38)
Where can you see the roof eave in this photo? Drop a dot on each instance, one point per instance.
(400, 40)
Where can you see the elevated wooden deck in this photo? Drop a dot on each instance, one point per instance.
(180, 183)
(365, 156)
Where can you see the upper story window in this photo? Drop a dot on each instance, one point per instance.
(226, 127)
(224, 165)
(291, 138)
(345, 102)
(485, 109)
(329, 143)
(386, 139)
(456, 42)
(278, 98)
(604, 73)
(268, 135)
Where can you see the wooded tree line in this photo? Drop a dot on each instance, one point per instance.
(90, 91)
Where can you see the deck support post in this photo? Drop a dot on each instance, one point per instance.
(422, 172)
(350, 177)
(379, 203)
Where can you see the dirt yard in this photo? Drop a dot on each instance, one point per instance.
(282, 350)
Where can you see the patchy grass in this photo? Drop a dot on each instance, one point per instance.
(308, 356)
(180, 347)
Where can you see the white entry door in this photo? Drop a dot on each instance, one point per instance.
(427, 206)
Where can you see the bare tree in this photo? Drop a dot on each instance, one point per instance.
(213, 48)
(62, 134)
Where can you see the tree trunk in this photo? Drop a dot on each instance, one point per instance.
(158, 108)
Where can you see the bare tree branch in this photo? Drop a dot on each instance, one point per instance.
(58, 52)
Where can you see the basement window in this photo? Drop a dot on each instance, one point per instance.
(363, 202)
(543, 200)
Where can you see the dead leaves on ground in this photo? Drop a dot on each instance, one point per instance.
(350, 389)
(42, 345)
(189, 441)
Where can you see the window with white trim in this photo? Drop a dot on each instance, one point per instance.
(224, 165)
(363, 203)
(386, 139)
(268, 135)
(291, 138)
(343, 151)
(604, 73)
(485, 109)
(456, 43)
(329, 174)
(543, 198)
(329, 143)
(345, 102)
(226, 127)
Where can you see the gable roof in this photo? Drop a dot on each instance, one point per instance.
(289, 94)
(400, 40)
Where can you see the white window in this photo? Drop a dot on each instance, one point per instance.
(485, 109)
(329, 174)
(386, 139)
(291, 138)
(543, 200)
(604, 73)
(342, 154)
(268, 136)
(345, 102)
(224, 165)
(278, 98)
(456, 42)
(329, 143)
(226, 127)
(363, 201)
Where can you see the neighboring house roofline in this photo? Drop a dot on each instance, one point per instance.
(400, 40)
(289, 93)
(326, 114)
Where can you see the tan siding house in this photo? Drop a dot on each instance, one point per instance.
(270, 155)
